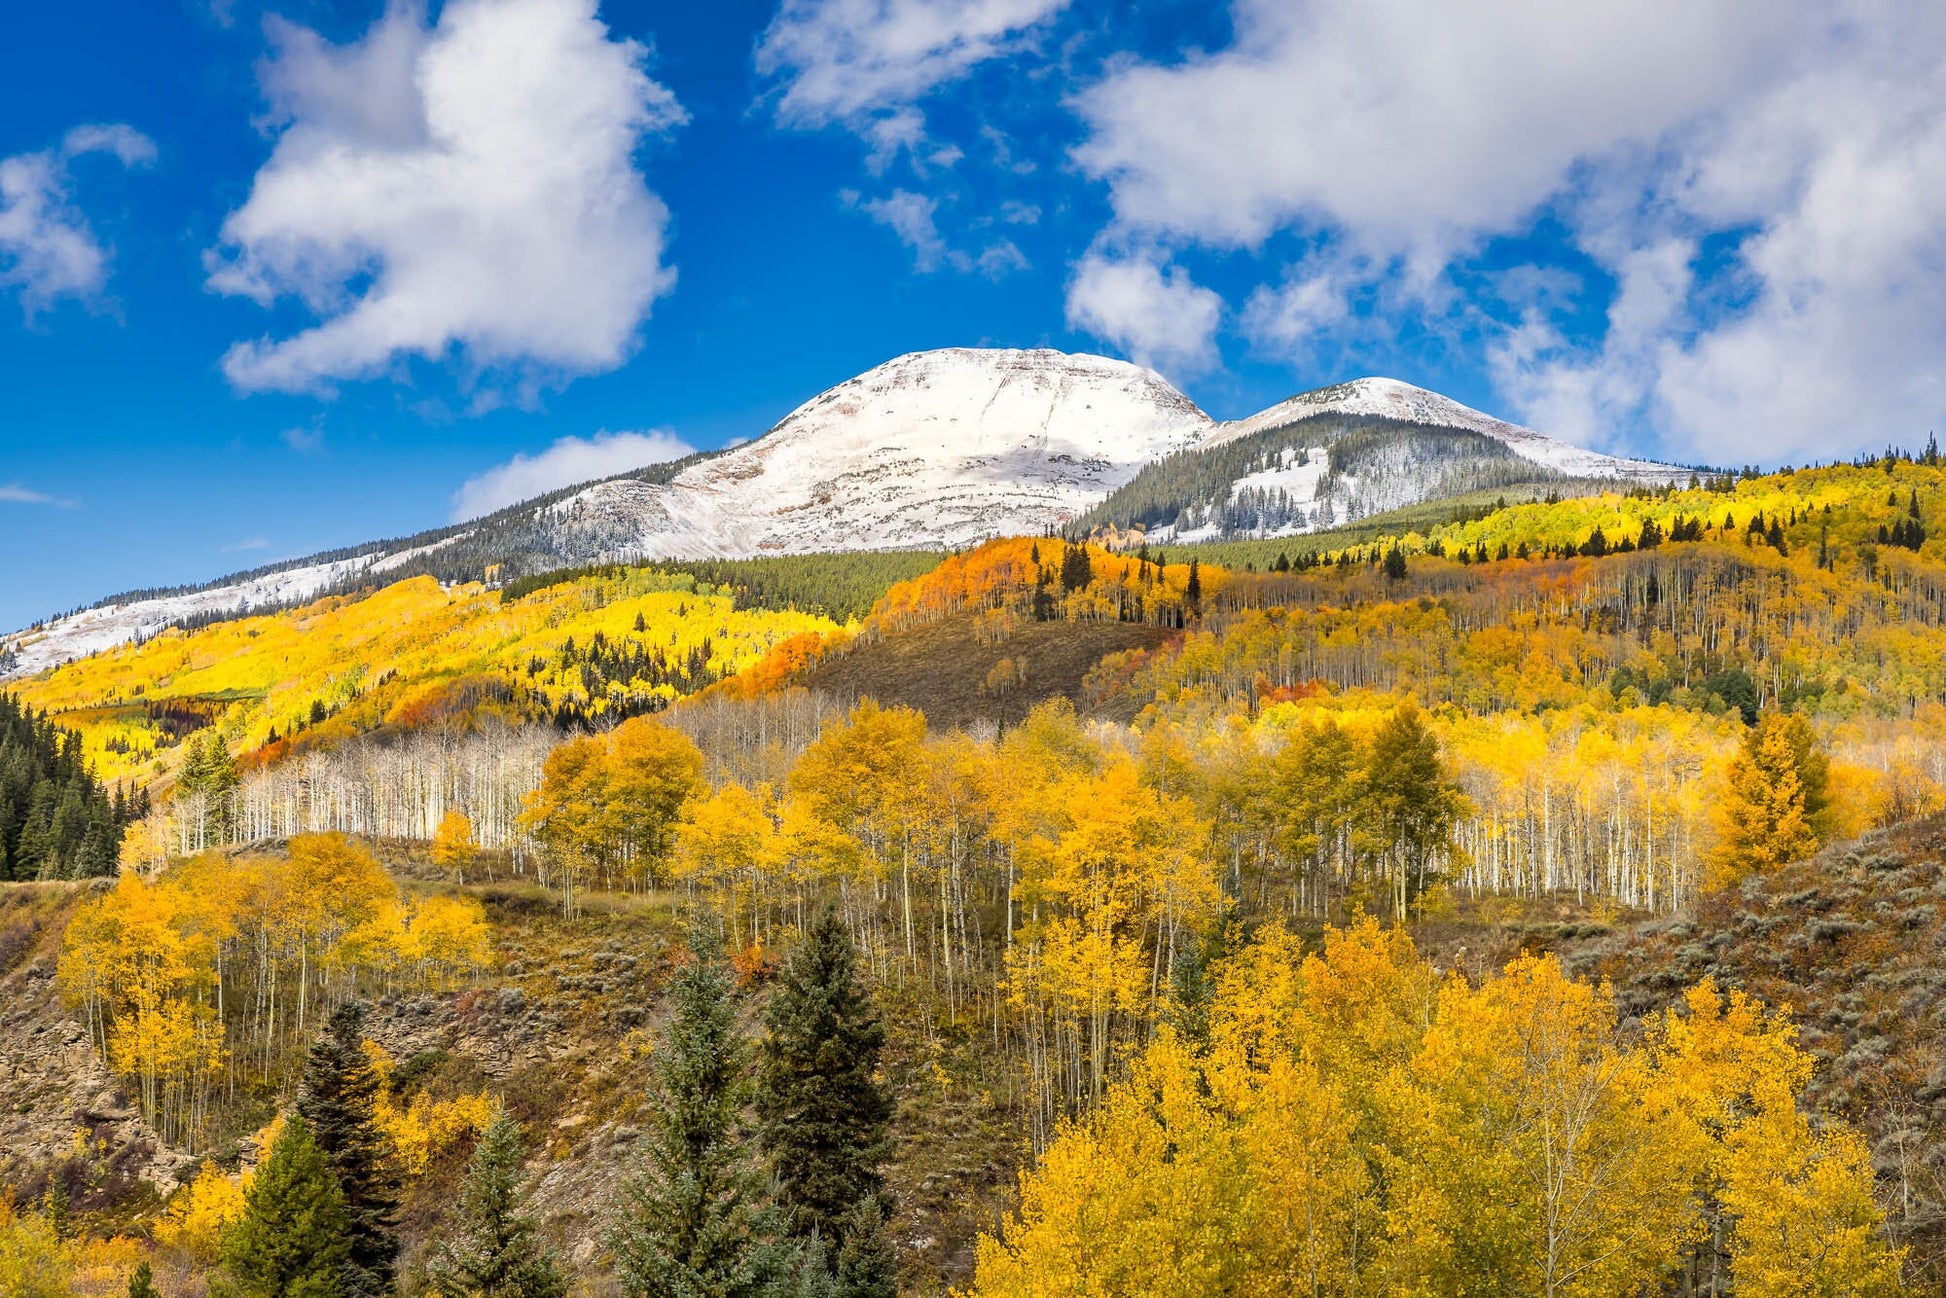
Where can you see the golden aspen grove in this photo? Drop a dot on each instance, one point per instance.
(1256, 917)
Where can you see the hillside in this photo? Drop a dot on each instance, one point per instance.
(1853, 942)
(408, 656)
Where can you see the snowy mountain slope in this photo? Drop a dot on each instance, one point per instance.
(1347, 452)
(934, 450)
(1391, 400)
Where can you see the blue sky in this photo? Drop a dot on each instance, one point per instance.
(278, 278)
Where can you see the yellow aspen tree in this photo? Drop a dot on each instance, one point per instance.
(453, 844)
(1773, 795)
(198, 1213)
(652, 772)
(725, 846)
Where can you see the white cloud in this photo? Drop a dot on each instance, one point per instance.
(1586, 398)
(12, 493)
(48, 250)
(1799, 144)
(998, 260)
(466, 190)
(1159, 318)
(569, 461)
(305, 441)
(911, 217)
(1415, 125)
(854, 61)
(1288, 318)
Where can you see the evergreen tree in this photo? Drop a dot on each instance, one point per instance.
(1409, 806)
(1395, 564)
(338, 1101)
(491, 1249)
(868, 1264)
(141, 1282)
(694, 1225)
(291, 1241)
(1077, 570)
(824, 1115)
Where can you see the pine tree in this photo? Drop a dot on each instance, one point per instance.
(694, 1224)
(339, 1099)
(868, 1265)
(824, 1114)
(291, 1241)
(491, 1249)
(141, 1282)
(1395, 564)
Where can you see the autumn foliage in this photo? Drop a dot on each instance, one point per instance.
(1347, 1122)
(221, 968)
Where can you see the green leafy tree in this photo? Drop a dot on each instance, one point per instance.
(695, 1224)
(491, 1248)
(293, 1238)
(824, 1113)
(339, 1101)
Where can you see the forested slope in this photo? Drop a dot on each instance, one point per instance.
(1853, 942)
(56, 820)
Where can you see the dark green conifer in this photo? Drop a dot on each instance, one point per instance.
(291, 1241)
(339, 1101)
(868, 1264)
(141, 1282)
(824, 1113)
(695, 1224)
(490, 1248)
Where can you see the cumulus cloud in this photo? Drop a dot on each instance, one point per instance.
(465, 190)
(1413, 124)
(866, 62)
(1160, 318)
(1763, 183)
(569, 461)
(48, 250)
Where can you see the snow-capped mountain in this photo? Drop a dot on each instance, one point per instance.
(934, 450)
(930, 450)
(1393, 401)
(1347, 452)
